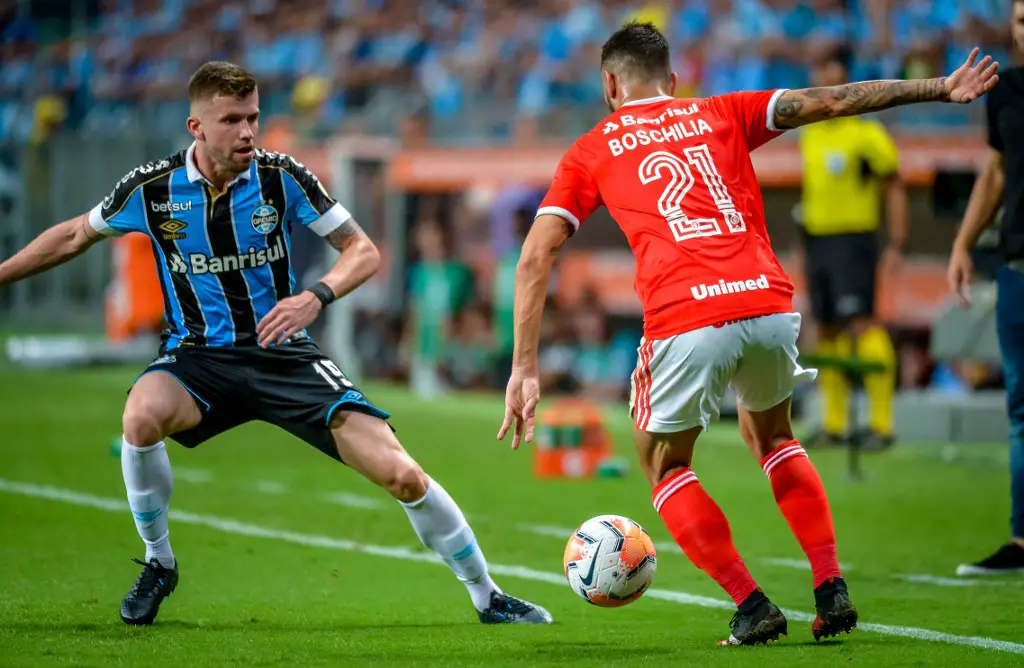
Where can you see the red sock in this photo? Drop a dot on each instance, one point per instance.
(700, 528)
(802, 500)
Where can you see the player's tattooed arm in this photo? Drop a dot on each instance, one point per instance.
(809, 105)
(347, 233)
(359, 259)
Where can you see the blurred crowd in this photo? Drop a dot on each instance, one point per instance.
(116, 61)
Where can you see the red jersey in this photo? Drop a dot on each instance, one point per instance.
(677, 178)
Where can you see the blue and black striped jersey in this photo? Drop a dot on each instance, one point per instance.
(223, 257)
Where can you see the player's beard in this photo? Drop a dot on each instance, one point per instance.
(235, 162)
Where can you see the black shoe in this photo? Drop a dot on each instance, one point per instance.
(154, 584)
(836, 613)
(823, 439)
(507, 609)
(757, 622)
(873, 441)
(1007, 560)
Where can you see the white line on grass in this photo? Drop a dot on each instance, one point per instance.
(942, 581)
(522, 572)
(270, 487)
(547, 530)
(354, 500)
(197, 476)
(798, 564)
(916, 578)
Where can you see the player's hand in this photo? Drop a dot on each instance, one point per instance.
(970, 81)
(892, 262)
(960, 275)
(521, 397)
(287, 318)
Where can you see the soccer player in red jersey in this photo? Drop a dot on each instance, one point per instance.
(676, 176)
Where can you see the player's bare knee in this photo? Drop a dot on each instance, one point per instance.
(662, 454)
(407, 482)
(141, 424)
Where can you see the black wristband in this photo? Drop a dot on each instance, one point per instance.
(323, 292)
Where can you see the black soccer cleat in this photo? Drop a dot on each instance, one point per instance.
(758, 621)
(836, 613)
(505, 609)
(874, 441)
(153, 585)
(1007, 560)
(824, 439)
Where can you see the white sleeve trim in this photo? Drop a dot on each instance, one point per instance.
(770, 114)
(560, 212)
(332, 219)
(100, 225)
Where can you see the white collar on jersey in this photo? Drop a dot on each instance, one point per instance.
(648, 100)
(195, 175)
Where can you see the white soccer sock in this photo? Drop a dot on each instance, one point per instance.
(149, 481)
(442, 527)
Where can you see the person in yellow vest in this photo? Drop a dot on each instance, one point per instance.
(850, 165)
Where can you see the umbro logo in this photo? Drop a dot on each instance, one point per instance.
(610, 127)
(172, 229)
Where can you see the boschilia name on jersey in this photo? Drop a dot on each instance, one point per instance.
(201, 263)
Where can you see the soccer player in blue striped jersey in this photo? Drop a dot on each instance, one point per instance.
(219, 215)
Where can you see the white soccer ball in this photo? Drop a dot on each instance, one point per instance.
(610, 561)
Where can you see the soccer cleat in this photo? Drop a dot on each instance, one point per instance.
(823, 439)
(153, 585)
(1007, 560)
(757, 622)
(873, 441)
(505, 609)
(836, 613)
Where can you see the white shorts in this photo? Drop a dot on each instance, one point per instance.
(680, 382)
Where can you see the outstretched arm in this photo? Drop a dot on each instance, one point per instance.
(533, 273)
(809, 105)
(359, 260)
(53, 247)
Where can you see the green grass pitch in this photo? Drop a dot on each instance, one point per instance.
(288, 558)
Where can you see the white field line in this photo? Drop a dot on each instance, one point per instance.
(799, 564)
(270, 487)
(244, 529)
(943, 581)
(354, 500)
(196, 476)
(916, 578)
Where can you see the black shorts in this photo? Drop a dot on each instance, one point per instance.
(841, 271)
(293, 386)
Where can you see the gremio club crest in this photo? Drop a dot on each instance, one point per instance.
(265, 219)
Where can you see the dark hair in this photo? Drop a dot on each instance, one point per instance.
(220, 78)
(637, 51)
(841, 55)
